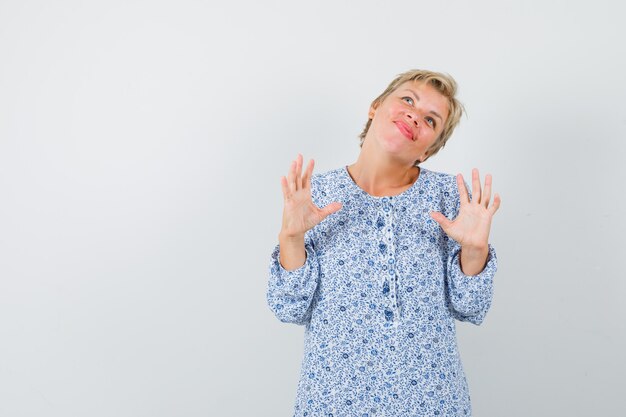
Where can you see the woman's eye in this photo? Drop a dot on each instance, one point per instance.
(431, 121)
(408, 100)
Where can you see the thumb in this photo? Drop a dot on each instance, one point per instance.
(332, 208)
(441, 219)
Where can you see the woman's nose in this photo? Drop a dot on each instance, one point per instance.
(413, 118)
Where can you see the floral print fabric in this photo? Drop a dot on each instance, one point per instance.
(378, 295)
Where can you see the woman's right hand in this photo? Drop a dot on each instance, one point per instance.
(300, 213)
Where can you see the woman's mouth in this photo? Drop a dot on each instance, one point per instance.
(405, 130)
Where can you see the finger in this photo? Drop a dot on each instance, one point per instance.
(331, 208)
(486, 191)
(291, 177)
(463, 195)
(441, 219)
(475, 186)
(285, 187)
(297, 174)
(306, 178)
(496, 204)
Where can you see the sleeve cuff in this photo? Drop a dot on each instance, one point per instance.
(290, 293)
(471, 295)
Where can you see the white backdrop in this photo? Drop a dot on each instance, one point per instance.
(141, 149)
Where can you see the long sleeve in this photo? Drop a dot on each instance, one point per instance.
(469, 295)
(290, 293)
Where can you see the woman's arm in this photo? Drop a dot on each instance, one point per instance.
(290, 292)
(294, 268)
(293, 252)
(471, 260)
(469, 296)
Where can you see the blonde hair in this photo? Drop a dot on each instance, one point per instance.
(445, 85)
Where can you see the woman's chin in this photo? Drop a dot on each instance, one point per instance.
(396, 144)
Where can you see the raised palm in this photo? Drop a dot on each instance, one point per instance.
(471, 226)
(300, 212)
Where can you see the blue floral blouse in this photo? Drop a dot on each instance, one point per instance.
(378, 295)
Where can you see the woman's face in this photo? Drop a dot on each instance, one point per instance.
(409, 120)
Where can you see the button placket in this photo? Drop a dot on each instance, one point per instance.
(389, 277)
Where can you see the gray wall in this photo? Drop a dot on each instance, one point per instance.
(141, 146)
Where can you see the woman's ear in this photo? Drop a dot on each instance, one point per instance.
(372, 111)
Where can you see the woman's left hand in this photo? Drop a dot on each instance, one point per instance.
(471, 226)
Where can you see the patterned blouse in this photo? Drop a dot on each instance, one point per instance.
(378, 295)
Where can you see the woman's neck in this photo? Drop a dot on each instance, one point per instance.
(382, 179)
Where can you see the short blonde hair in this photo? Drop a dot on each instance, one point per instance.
(445, 85)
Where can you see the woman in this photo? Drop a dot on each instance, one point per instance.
(370, 263)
